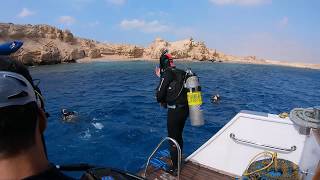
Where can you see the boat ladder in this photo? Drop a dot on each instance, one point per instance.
(156, 149)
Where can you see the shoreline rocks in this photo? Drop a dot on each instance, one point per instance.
(44, 44)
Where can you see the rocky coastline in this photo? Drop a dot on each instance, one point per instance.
(44, 44)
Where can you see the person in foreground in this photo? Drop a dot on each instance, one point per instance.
(171, 94)
(22, 124)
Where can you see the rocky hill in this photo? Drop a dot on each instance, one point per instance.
(44, 44)
(192, 50)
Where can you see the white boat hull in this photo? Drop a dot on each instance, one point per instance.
(228, 155)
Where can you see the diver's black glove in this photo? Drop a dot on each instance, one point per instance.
(163, 105)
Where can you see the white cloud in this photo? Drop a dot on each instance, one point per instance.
(132, 24)
(25, 12)
(116, 2)
(141, 25)
(284, 22)
(67, 20)
(94, 24)
(240, 2)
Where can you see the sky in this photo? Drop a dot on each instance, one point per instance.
(286, 30)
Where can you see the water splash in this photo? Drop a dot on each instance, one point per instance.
(86, 134)
(98, 125)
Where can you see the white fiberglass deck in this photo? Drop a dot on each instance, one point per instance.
(224, 154)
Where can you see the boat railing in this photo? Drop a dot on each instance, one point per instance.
(288, 150)
(156, 149)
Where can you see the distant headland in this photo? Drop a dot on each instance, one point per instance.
(44, 44)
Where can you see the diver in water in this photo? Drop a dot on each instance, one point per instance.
(215, 99)
(68, 115)
(172, 95)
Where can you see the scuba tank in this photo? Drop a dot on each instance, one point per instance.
(193, 88)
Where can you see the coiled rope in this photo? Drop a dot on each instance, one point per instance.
(271, 168)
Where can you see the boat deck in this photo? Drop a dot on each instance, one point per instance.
(190, 171)
(227, 154)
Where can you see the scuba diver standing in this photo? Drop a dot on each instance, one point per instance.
(172, 95)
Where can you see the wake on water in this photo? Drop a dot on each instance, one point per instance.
(98, 125)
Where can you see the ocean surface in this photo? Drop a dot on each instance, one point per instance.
(119, 122)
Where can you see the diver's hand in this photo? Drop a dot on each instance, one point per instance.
(157, 71)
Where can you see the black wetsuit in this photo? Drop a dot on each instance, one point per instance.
(171, 94)
(51, 173)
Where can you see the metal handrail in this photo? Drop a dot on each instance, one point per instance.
(291, 149)
(155, 150)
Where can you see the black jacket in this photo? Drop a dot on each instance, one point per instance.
(171, 89)
(50, 174)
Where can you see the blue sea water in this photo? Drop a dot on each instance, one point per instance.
(120, 122)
